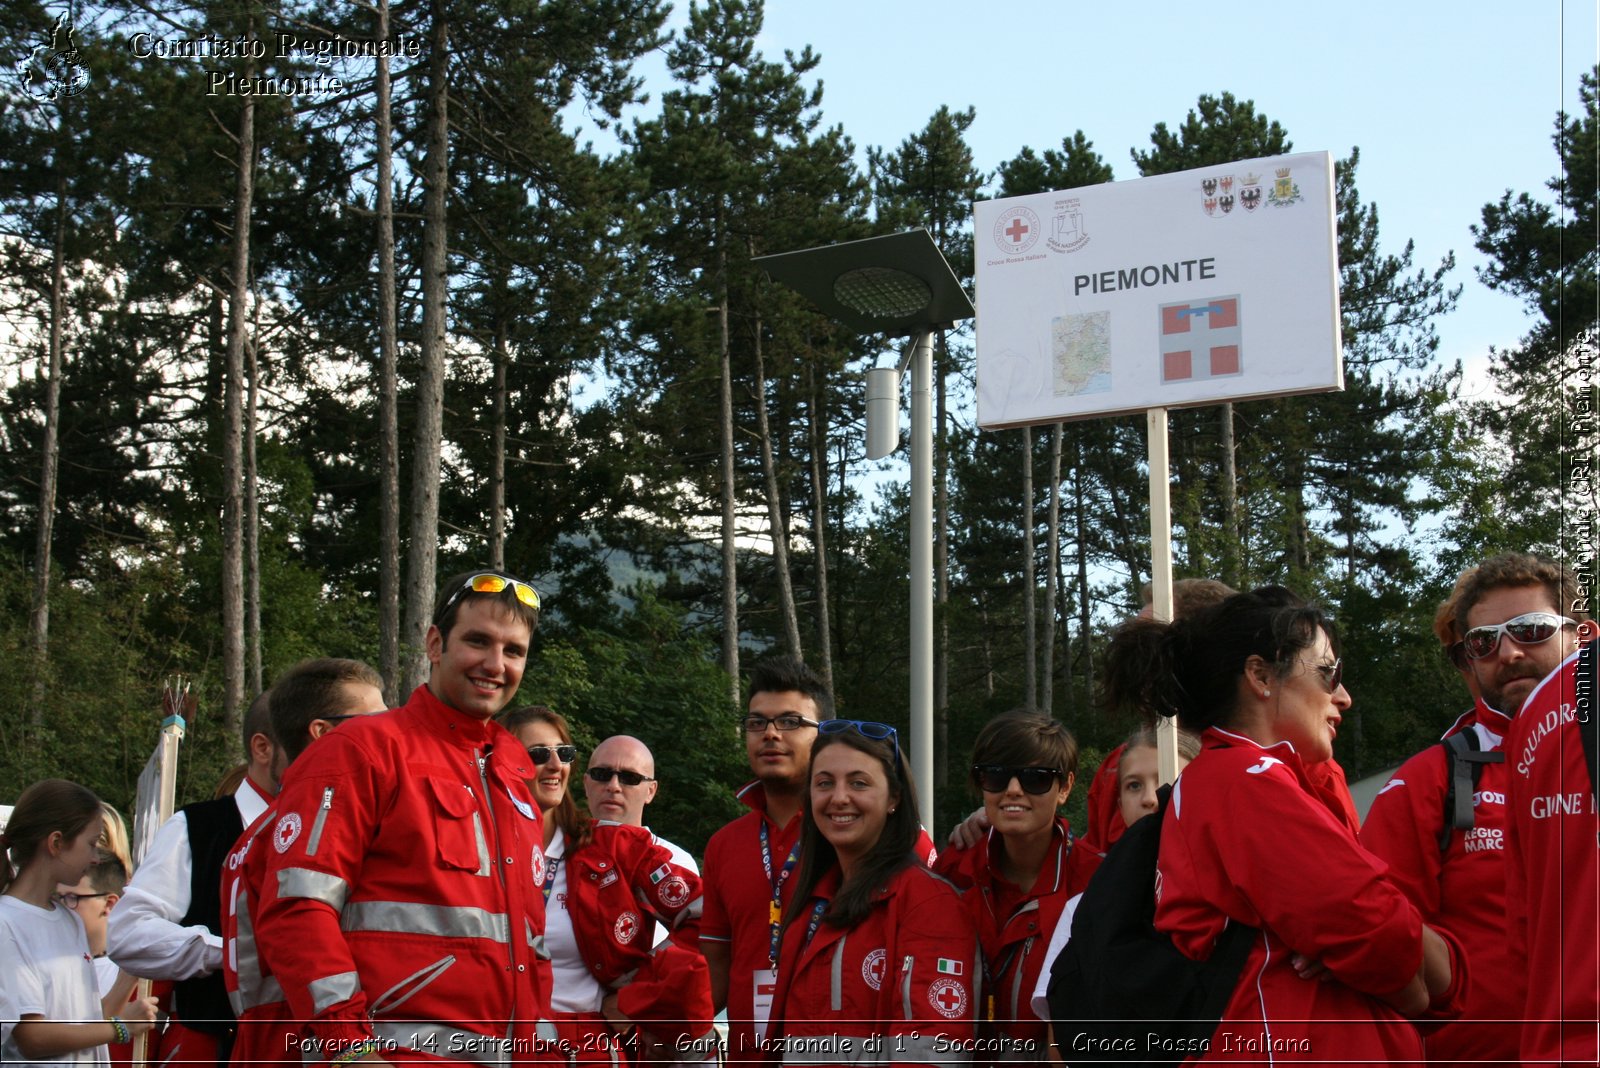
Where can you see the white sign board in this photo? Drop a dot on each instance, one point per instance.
(1199, 287)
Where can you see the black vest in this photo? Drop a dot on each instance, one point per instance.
(201, 1002)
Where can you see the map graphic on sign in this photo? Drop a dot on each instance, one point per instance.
(1081, 345)
(1200, 339)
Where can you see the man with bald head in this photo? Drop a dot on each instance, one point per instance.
(620, 782)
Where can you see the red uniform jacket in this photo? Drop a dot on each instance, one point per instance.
(1461, 888)
(1014, 928)
(1247, 839)
(618, 886)
(1553, 872)
(905, 977)
(399, 901)
(1105, 804)
(268, 1031)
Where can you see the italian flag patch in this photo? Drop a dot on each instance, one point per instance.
(949, 967)
(660, 873)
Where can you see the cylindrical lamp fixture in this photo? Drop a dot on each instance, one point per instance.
(883, 412)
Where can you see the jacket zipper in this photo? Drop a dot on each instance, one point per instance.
(322, 818)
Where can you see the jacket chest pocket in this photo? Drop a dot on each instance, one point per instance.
(458, 829)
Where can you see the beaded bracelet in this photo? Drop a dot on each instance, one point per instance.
(119, 1029)
(355, 1052)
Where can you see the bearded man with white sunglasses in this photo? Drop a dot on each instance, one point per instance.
(1514, 623)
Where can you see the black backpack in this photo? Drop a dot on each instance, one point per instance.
(1120, 991)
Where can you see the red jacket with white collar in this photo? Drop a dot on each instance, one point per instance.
(1461, 888)
(618, 886)
(1553, 872)
(1248, 839)
(1014, 927)
(399, 901)
(906, 975)
(268, 1031)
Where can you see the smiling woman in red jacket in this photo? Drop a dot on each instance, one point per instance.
(1342, 956)
(879, 960)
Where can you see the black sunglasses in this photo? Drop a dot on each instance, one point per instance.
(540, 754)
(623, 775)
(996, 778)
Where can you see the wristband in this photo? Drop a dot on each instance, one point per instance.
(119, 1029)
(355, 1052)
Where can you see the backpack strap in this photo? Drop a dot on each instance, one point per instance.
(1466, 768)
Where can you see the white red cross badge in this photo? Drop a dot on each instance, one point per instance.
(872, 968)
(287, 830)
(948, 997)
(626, 928)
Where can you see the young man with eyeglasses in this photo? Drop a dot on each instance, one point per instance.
(1506, 631)
(399, 908)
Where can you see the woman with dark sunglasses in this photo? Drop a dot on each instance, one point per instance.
(1340, 957)
(606, 887)
(878, 961)
(1018, 878)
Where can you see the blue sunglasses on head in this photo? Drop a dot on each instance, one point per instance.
(864, 727)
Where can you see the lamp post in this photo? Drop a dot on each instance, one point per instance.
(900, 285)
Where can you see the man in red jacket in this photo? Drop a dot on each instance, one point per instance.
(305, 703)
(1553, 867)
(1506, 631)
(400, 910)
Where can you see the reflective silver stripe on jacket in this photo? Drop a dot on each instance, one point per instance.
(836, 978)
(923, 1049)
(905, 988)
(442, 1040)
(332, 989)
(411, 917)
(254, 989)
(316, 885)
(483, 845)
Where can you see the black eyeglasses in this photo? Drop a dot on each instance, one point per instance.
(489, 582)
(864, 727)
(71, 899)
(342, 716)
(788, 721)
(623, 775)
(540, 754)
(996, 778)
(1332, 674)
(1530, 628)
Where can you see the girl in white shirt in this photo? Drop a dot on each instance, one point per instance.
(49, 1001)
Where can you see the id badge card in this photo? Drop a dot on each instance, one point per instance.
(765, 986)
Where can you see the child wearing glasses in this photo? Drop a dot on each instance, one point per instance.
(606, 886)
(878, 961)
(1018, 879)
(49, 1000)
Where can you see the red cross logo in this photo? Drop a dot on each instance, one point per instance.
(948, 997)
(627, 926)
(1017, 230)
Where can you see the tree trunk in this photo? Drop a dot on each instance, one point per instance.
(775, 517)
(730, 557)
(1051, 569)
(817, 433)
(1230, 501)
(422, 560)
(232, 590)
(388, 394)
(497, 471)
(252, 511)
(1030, 630)
(941, 573)
(39, 619)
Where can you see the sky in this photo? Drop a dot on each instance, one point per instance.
(1451, 104)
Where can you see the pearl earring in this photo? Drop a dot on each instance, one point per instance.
(1266, 693)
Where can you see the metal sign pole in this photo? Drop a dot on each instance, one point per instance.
(1161, 572)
